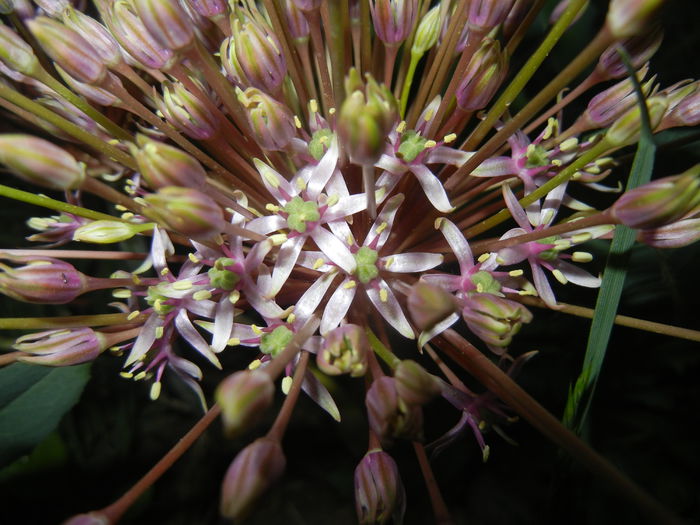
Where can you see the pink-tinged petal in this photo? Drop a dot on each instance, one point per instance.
(223, 324)
(201, 308)
(577, 275)
(385, 185)
(458, 244)
(320, 395)
(336, 185)
(313, 344)
(256, 255)
(334, 249)
(145, 340)
(544, 289)
(386, 216)
(445, 281)
(310, 258)
(514, 254)
(432, 187)
(275, 183)
(322, 172)
(264, 306)
(189, 373)
(551, 204)
(446, 155)
(245, 334)
(390, 309)
(495, 167)
(161, 247)
(337, 306)
(341, 229)
(516, 210)
(411, 262)
(440, 327)
(187, 330)
(349, 205)
(286, 259)
(391, 164)
(307, 303)
(267, 224)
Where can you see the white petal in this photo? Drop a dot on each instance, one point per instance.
(275, 183)
(447, 155)
(448, 282)
(323, 170)
(577, 275)
(544, 289)
(386, 216)
(433, 188)
(192, 336)
(495, 167)
(316, 391)
(516, 210)
(223, 324)
(307, 303)
(349, 205)
(458, 244)
(390, 310)
(411, 262)
(286, 259)
(256, 255)
(267, 224)
(440, 327)
(334, 249)
(145, 339)
(337, 306)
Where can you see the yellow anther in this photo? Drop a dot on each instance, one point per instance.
(381, 227)
(323, 140)
(136, 279)
(515, 273)
(500, 260)
(332, 200)
(562, 244)
(401, 127)
(140, 376)
(155, 391)
(234, 341)
(480, 288)
(121, 293)
(383, 295)
(158, 332)
(256, 329)
(548, 216)
(127, 215)
(484, 257)
(141, 201)
(286, 384)
(577, 175)
(482, 425)
(291, 318)
(133, 315)
(318, 263)
(272, 207)
(429, 115)
(379, 194)
(430, 144)
(277, 239)
(439, 222)
(192, 257)
(182, 285)
(119, 207)
(527, 292)
(350, 240)
(234, 296)
(126, 375)
(313, 106)
(569, 144)
(254, 364)
(201, 295)
(582, 257)
(581, 237)
(389, 262)
(297, 122)
(350, 284)
(267, 174)
(165, 271)
(449, 138)
(300, 183)
(556, 162)
(559, 276)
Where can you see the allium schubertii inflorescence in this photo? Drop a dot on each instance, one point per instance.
(324, 186)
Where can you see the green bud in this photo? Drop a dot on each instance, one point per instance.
(243, 398)
(629, 17)
(164, 165)
(627, 128)
(15, 53)
(414, 384)
(185, 210)
(429, 304)
(107, 232)
(428, 31)
(344, 351)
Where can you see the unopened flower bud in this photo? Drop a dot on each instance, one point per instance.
(629, 17)
(483, 76)
(639, 48)
(487, 14)
(379, 492)
(99, 37)
(428, 32)
(344, 351)
(41, 162)
(296, 22)
(108, 232)
(163, 165)
(366, 117)
(91, 518)
(41, 280)
(209, 8)
(53, 8)
(255, 469)
(414, 384)
(493, 319)
(186, 210)
(187, 113)
(243, 397)
(167, 22)
(252, 56)
(626, 129)
(70, 50)
(95, 94)
(393, 19)
(390, 416)
(15, 53)
(687, 111)
(60, 347)
(675, 235)
(429, 304)
(659, 202)
(272, 123)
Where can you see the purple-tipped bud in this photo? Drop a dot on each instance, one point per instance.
(41, 280)
(272, 123)
(41, 162)
(95, 94)
(243, 397)
(390, 416)
(53, 8)
(100, 38)
(674, 235)
(366, 117)
(60, 347)
(253, 57)
(307, 5)
(108, 232)
(659, 202)
(296, 21)
(209, 8)
(15, 53)
(429, 304)
(91, 518)
(626, 129)
(379, 492)
(428, 31)
(686, 111)
(414, 384)
(487, 14)
(132, 35)
(640, 49)
(167, 22)
(483, 76)
(186, 210)
(494, 320)
(163, 165)
(255, 469)
(344, 351)
(70, 50)
(626, 18)
(187, 112)
(393, 19)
